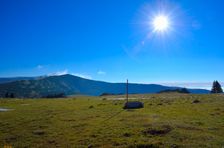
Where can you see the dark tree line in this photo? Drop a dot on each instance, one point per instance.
(180, 90)
(216, 87)
(9, 95)
(56, 95)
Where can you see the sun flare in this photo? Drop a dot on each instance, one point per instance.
(161, 23)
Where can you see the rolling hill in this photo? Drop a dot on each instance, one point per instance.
(73, 85)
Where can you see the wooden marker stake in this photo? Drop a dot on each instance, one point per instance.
(127, 91)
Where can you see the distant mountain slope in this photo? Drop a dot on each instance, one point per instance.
(7, 80)
(70, 84)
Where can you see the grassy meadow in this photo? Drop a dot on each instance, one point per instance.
(167, 120)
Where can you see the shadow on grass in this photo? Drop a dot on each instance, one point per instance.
(113, 116)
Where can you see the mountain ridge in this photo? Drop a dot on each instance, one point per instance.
(72, 85)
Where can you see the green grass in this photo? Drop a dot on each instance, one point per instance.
(167, 120)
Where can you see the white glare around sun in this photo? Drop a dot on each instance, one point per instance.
(161, 23)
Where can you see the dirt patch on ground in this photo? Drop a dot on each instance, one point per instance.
(196, 101)
(127, 135)
(38, 132)
(158, 130)
(90, 107)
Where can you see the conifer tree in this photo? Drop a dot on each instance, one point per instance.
(216, 87)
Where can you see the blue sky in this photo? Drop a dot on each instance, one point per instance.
(112, 40)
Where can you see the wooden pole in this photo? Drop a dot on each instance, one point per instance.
(127, 91)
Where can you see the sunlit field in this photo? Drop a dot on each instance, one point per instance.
(167, 120)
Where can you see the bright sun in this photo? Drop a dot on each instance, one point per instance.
(161, 23)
